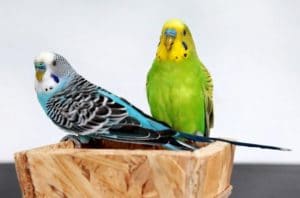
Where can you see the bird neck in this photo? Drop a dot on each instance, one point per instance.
(171, 65)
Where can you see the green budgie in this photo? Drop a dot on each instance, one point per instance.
(179, 87)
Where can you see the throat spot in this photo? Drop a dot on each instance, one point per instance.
(48, 88)
(184, 45)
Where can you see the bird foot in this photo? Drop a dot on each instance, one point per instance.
(78, 140)
(199, 133)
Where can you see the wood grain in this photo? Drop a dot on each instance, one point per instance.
(60, 170)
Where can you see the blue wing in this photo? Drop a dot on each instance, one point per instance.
(145, 120)
(84, 108)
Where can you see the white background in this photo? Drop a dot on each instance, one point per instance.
(250, 47)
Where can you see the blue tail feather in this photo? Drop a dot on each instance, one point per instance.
(197, 138)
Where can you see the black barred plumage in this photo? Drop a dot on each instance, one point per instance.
(82, 109)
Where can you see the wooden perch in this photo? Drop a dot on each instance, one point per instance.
(60, 170)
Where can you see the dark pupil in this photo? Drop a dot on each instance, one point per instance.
(54, 63)
(184, 32)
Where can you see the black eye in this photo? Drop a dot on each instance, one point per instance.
(54, 63)
(184, 32)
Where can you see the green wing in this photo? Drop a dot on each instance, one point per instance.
(209, 107)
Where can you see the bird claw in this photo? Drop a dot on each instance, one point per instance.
(199, 133)
(79, 141)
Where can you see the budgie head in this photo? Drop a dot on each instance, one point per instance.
(52, 73)
(176, 42)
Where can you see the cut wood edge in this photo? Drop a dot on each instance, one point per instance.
(226, 193)
(68, 146)
(23, 174)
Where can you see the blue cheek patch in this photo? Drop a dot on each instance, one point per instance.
(55, 78)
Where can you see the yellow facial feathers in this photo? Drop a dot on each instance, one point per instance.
(176, 42)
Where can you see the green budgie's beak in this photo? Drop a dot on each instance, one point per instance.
(169, 42)
(170, 35)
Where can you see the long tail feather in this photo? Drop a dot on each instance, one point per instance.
(212, 139)
(251, 144)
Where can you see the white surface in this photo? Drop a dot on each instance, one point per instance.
(251, 48)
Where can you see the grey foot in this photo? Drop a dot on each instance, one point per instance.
(78, 140)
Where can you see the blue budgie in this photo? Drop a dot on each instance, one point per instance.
(89, 111)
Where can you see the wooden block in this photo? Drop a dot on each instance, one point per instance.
(61, 170)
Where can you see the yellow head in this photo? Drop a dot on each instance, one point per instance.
(176, 42)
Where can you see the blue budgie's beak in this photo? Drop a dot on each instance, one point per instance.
(40, 69)
(170, 35)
